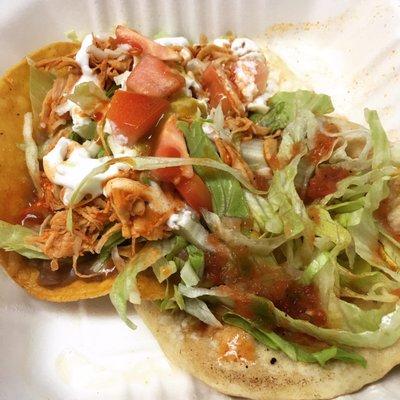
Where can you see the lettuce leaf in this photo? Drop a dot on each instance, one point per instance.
(380, 143)
(188, 274)
(285, 105)
(200, 310)
(294, 351)
(226, 192)
(88, 96)
(234, 238)
(125, 287)
(19, 239)
(387, 334)
(196, 259)
(40, 82)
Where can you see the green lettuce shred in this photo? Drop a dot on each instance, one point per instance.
(294, 351)
(226, 192)
(21, 240)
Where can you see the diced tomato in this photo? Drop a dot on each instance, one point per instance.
(135, 114)
(221, 90)
(148, 46)
(195, 192)
(170, 142)
(153, 77)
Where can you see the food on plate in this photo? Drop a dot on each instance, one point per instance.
(257, 234)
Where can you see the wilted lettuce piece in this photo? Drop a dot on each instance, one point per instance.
(285, 105)
(319, 104)
(200, 310)
(196, 259)
(300, 131)
(294, 351)
(125, 286)
(88, 96)
(329, 229)
(314, 267)
(40, 82)
(380, 143)
(87, 131)
(282, 210)
(226, 192)
(19, 239)
(114, 240)
(188, 274)
(234, 238)
(163, 269)
(386, 335)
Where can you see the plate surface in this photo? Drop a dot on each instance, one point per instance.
(348, 49)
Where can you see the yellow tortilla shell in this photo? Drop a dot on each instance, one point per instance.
(284, 380)
(15, 184)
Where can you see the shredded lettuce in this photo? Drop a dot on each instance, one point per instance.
(31, 153)
(114, 240)
(294, 351)
(233, 237)
(196, 259)
(125, 287)
(226, 192)
(200, 310)
(188, 274)
(380, 143)
(164, 268)
(300, 131)
(285, 105)
(282, 210)
(40, 82)
(387, 333)
(88, 96)
(21, 240)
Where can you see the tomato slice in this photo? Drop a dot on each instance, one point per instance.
(195, 192)
(135, 114)
(170, 142)
(148, 46)
(221, 90)
(153, 77)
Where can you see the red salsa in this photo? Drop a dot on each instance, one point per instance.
(322, 149)
(242, 279)
(324, 182)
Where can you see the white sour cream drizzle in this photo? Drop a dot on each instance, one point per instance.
(69, 163)
(82, 58)
(220, 42)
(181, 219)
(173, 41)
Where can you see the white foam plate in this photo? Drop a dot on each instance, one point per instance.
(348, 49)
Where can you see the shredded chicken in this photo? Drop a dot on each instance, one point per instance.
(65, 64)
(245, 127)
(107, 61)
(49, 118)
(51, 194)
(143, 210)
(88, 222)
(233, 158)
(211, 52)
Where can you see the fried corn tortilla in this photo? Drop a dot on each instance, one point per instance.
(16, 186)
(271, 376)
